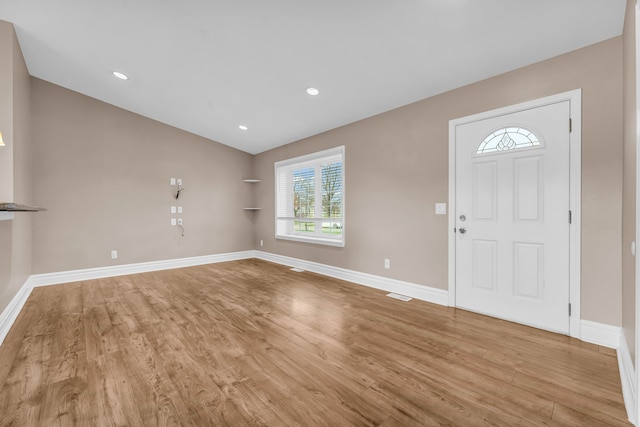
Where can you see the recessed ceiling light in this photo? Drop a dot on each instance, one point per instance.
(313, 91)
(120, 75)
(242, 127)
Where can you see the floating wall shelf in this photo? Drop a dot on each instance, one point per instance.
(251, 181)
(16, 207)
(7, 210)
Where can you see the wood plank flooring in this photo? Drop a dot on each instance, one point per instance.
(253, 343)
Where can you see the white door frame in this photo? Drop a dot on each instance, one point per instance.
(575, 176)
(633, 412)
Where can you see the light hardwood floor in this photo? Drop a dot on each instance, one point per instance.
(253, 343)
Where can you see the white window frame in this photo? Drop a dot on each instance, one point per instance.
(284, 219)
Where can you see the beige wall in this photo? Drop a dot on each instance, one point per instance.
(16, 186)
(629, 180)
(103, 175)
(396, 170)
(6, 110)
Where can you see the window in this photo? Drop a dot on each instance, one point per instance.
(511, 138)
(310, 198)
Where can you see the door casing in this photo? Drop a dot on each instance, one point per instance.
(575, 140)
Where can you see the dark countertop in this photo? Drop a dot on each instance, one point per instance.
(16, 207)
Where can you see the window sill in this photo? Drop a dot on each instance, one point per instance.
(314, 240)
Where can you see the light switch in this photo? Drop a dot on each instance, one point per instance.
(172, 181)
(441, 208)
(173, 221)
(173, 209)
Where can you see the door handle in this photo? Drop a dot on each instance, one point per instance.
(462, 230)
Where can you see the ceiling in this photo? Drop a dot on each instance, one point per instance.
(208, 66)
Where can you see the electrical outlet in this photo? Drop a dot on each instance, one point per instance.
(261, 243)
(179, 181)
(172, 181)
(173, 221)
(387, 263)
(179, 209)
(179, 221)
(114, 254)
(173, 209)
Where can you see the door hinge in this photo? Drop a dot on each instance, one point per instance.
(569, 309)
(570, 125)
(569, 217)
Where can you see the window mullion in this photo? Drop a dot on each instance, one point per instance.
(318, 200)
(290, 202)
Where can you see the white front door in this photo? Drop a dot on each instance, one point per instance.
(512, 216)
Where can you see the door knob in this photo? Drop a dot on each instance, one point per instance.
(463, 230)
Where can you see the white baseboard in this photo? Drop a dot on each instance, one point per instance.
(593, 332)
(11, 312)
(597, 333)
(143, 267)
(628, 378)
(9, 315)
(421, 292)
(600, 334)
